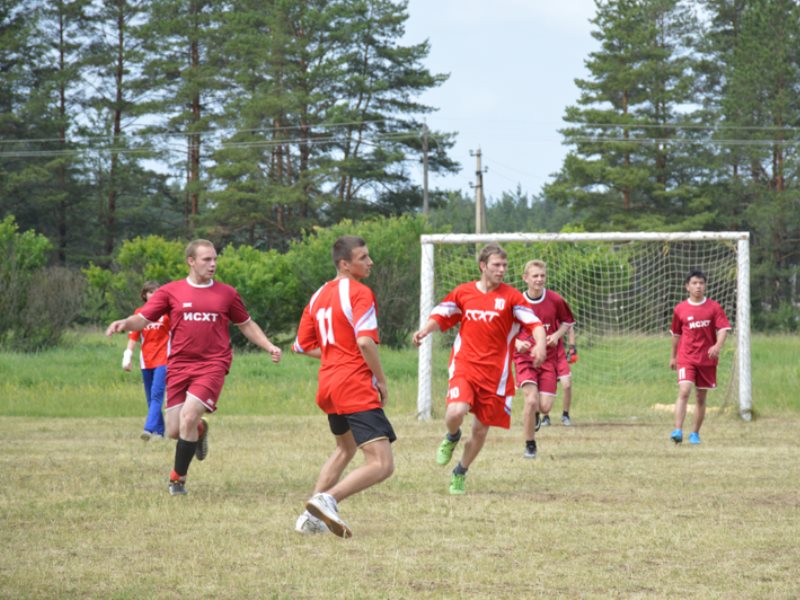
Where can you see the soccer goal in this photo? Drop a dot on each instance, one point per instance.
(622, 288)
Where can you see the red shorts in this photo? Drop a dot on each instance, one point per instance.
(205, 385)
(562, 364)
(703, 377)
(489, 408)
(347, 395)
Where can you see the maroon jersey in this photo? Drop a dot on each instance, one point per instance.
(697, 325)
(489, 322)
(552, 311)
(199, 317)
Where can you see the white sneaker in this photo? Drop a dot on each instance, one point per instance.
(145, 436)
(308, 524)
(323, 506)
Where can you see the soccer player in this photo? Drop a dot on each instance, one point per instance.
(699, 329)
(340, 327)
(490, 314)
(539, 383)
(153, 362)
(199, 310)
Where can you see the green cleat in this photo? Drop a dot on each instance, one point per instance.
(457, 484)
(445, 451)
(201, 450)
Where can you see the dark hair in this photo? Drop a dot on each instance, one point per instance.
(148, 286)
(343, 248)
(490, 250)
(695, 272)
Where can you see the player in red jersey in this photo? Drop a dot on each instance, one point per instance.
(490, 314)
(199, 311)
(539, 383)
(153, 363)
(340, 327)
(699, 329)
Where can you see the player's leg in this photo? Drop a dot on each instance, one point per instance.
(685, 385)
(458, 403)
(155, 418)
(699, 414)
(474, 444)
(566, 388)
(190, 414)
(530, 416)
(378, 465)
(147, 381)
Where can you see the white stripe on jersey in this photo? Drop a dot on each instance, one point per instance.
(446, 309)
(525, 314)
(344, 299)
(369, 321)
(501, 386)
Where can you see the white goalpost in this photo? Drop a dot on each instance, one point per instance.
(622, 288)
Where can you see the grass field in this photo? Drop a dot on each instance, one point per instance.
(609, 509)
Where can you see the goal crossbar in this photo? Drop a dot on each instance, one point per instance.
(742, 323)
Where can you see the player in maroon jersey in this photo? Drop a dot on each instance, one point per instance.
(490, 314)
(699, 329)
(539, 383)
(199, 310)
(340, 327)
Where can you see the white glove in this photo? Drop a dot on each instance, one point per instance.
(126, 359)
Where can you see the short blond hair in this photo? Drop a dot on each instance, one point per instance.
(534, 263)
(191, 249)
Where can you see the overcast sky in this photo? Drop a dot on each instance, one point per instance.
(512, 66)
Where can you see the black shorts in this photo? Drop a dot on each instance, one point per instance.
(367, 426)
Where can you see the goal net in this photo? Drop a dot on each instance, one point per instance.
(622, 288)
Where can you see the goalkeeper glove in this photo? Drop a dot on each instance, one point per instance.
(126, 359)
(572, 354)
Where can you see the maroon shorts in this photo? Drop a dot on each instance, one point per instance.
(703, 377)
(544, 377)
(489, 408)
(205, 385)
(562, 364)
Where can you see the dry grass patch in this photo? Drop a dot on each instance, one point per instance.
(607, 510)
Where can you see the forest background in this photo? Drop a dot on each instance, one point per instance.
(270, 127)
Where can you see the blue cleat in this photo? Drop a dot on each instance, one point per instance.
(694, 438)
(677, 436)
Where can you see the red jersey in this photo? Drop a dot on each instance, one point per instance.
(697, 325)
(199, 317)
(489, 322)
(155, 342)
(552, 311)
(338, 313)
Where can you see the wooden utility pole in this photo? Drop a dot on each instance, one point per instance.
(425, 205)
(480, 207)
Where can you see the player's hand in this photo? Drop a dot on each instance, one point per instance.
(521, 345)
(572, 354)
(276, 354)
(418, 337)
(539, 354)
(713, 352)
(552, 340)
(116, 327)
(127, 357)
(383, 392)
(673, 364)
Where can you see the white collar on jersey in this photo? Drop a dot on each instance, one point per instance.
(535, 300)
(703, 301)
(199, 285)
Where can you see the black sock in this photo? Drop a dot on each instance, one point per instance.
(459, 470)
(531, 443)
(454, 437)
(184, 453)
(565, 414)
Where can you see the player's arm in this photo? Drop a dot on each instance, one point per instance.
(369, 350)
(673, 359)
(540, 348)
(554, 338)
(429, 327)
(714, 351)
(256, 335)
(572, 348)
(133, 323)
